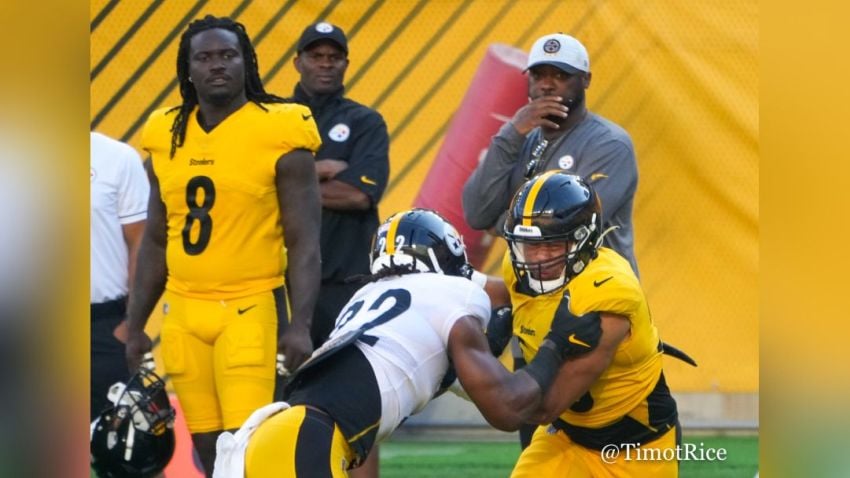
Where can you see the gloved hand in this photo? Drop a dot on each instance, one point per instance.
(500, 329)
(572, 335)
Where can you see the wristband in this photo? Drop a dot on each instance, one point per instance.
(478, 278)
(544, 367)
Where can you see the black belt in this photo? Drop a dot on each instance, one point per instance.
(110, 308)
(663, 415)
(624, 431)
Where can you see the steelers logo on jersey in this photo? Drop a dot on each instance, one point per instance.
(566, 162)
(339, 133)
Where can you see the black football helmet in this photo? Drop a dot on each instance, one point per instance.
(421, 239)
(135, 437)
(553, 208)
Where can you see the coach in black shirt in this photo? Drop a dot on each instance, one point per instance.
(352, 165)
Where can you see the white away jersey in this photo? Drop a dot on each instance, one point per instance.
(409, 319)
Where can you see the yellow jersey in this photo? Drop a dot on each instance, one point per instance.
(225, 239)
(607, 284)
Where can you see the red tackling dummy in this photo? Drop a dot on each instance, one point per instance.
(498, 89)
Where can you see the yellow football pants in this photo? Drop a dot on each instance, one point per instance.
(220, 356)
(555, 455)
(299, 442)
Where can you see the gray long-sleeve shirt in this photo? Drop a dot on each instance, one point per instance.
(596, 149)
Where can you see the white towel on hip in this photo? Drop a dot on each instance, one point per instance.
(230, 447)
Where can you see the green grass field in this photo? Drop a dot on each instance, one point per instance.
(478, 459)
(421, 459)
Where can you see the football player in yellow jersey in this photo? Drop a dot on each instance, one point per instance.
(231, 169)
(413, 328)
(614, 395)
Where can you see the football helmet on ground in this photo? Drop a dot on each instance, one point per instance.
(134, 437)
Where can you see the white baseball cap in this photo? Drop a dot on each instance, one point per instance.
(561, 51)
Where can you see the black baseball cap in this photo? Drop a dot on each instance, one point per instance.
(322, 31)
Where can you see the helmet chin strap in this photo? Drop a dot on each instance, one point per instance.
(434, 261)
(128, 444)
(602, 236)
(115, 392)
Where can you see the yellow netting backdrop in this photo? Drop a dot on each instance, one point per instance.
(681, 77)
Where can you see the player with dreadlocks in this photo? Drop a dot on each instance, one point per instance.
(230, 169)
(254, 90)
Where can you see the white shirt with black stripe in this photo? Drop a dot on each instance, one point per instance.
(119, 196)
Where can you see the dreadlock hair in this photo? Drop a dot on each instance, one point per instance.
(254, 89)
(386, 271)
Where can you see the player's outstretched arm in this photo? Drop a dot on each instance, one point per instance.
(506, 400)
(497, 291)
(300, 211)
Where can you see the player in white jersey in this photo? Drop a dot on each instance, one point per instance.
(400, 341)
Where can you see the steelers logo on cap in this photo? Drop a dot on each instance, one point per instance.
(552, 46)
(324, 27)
